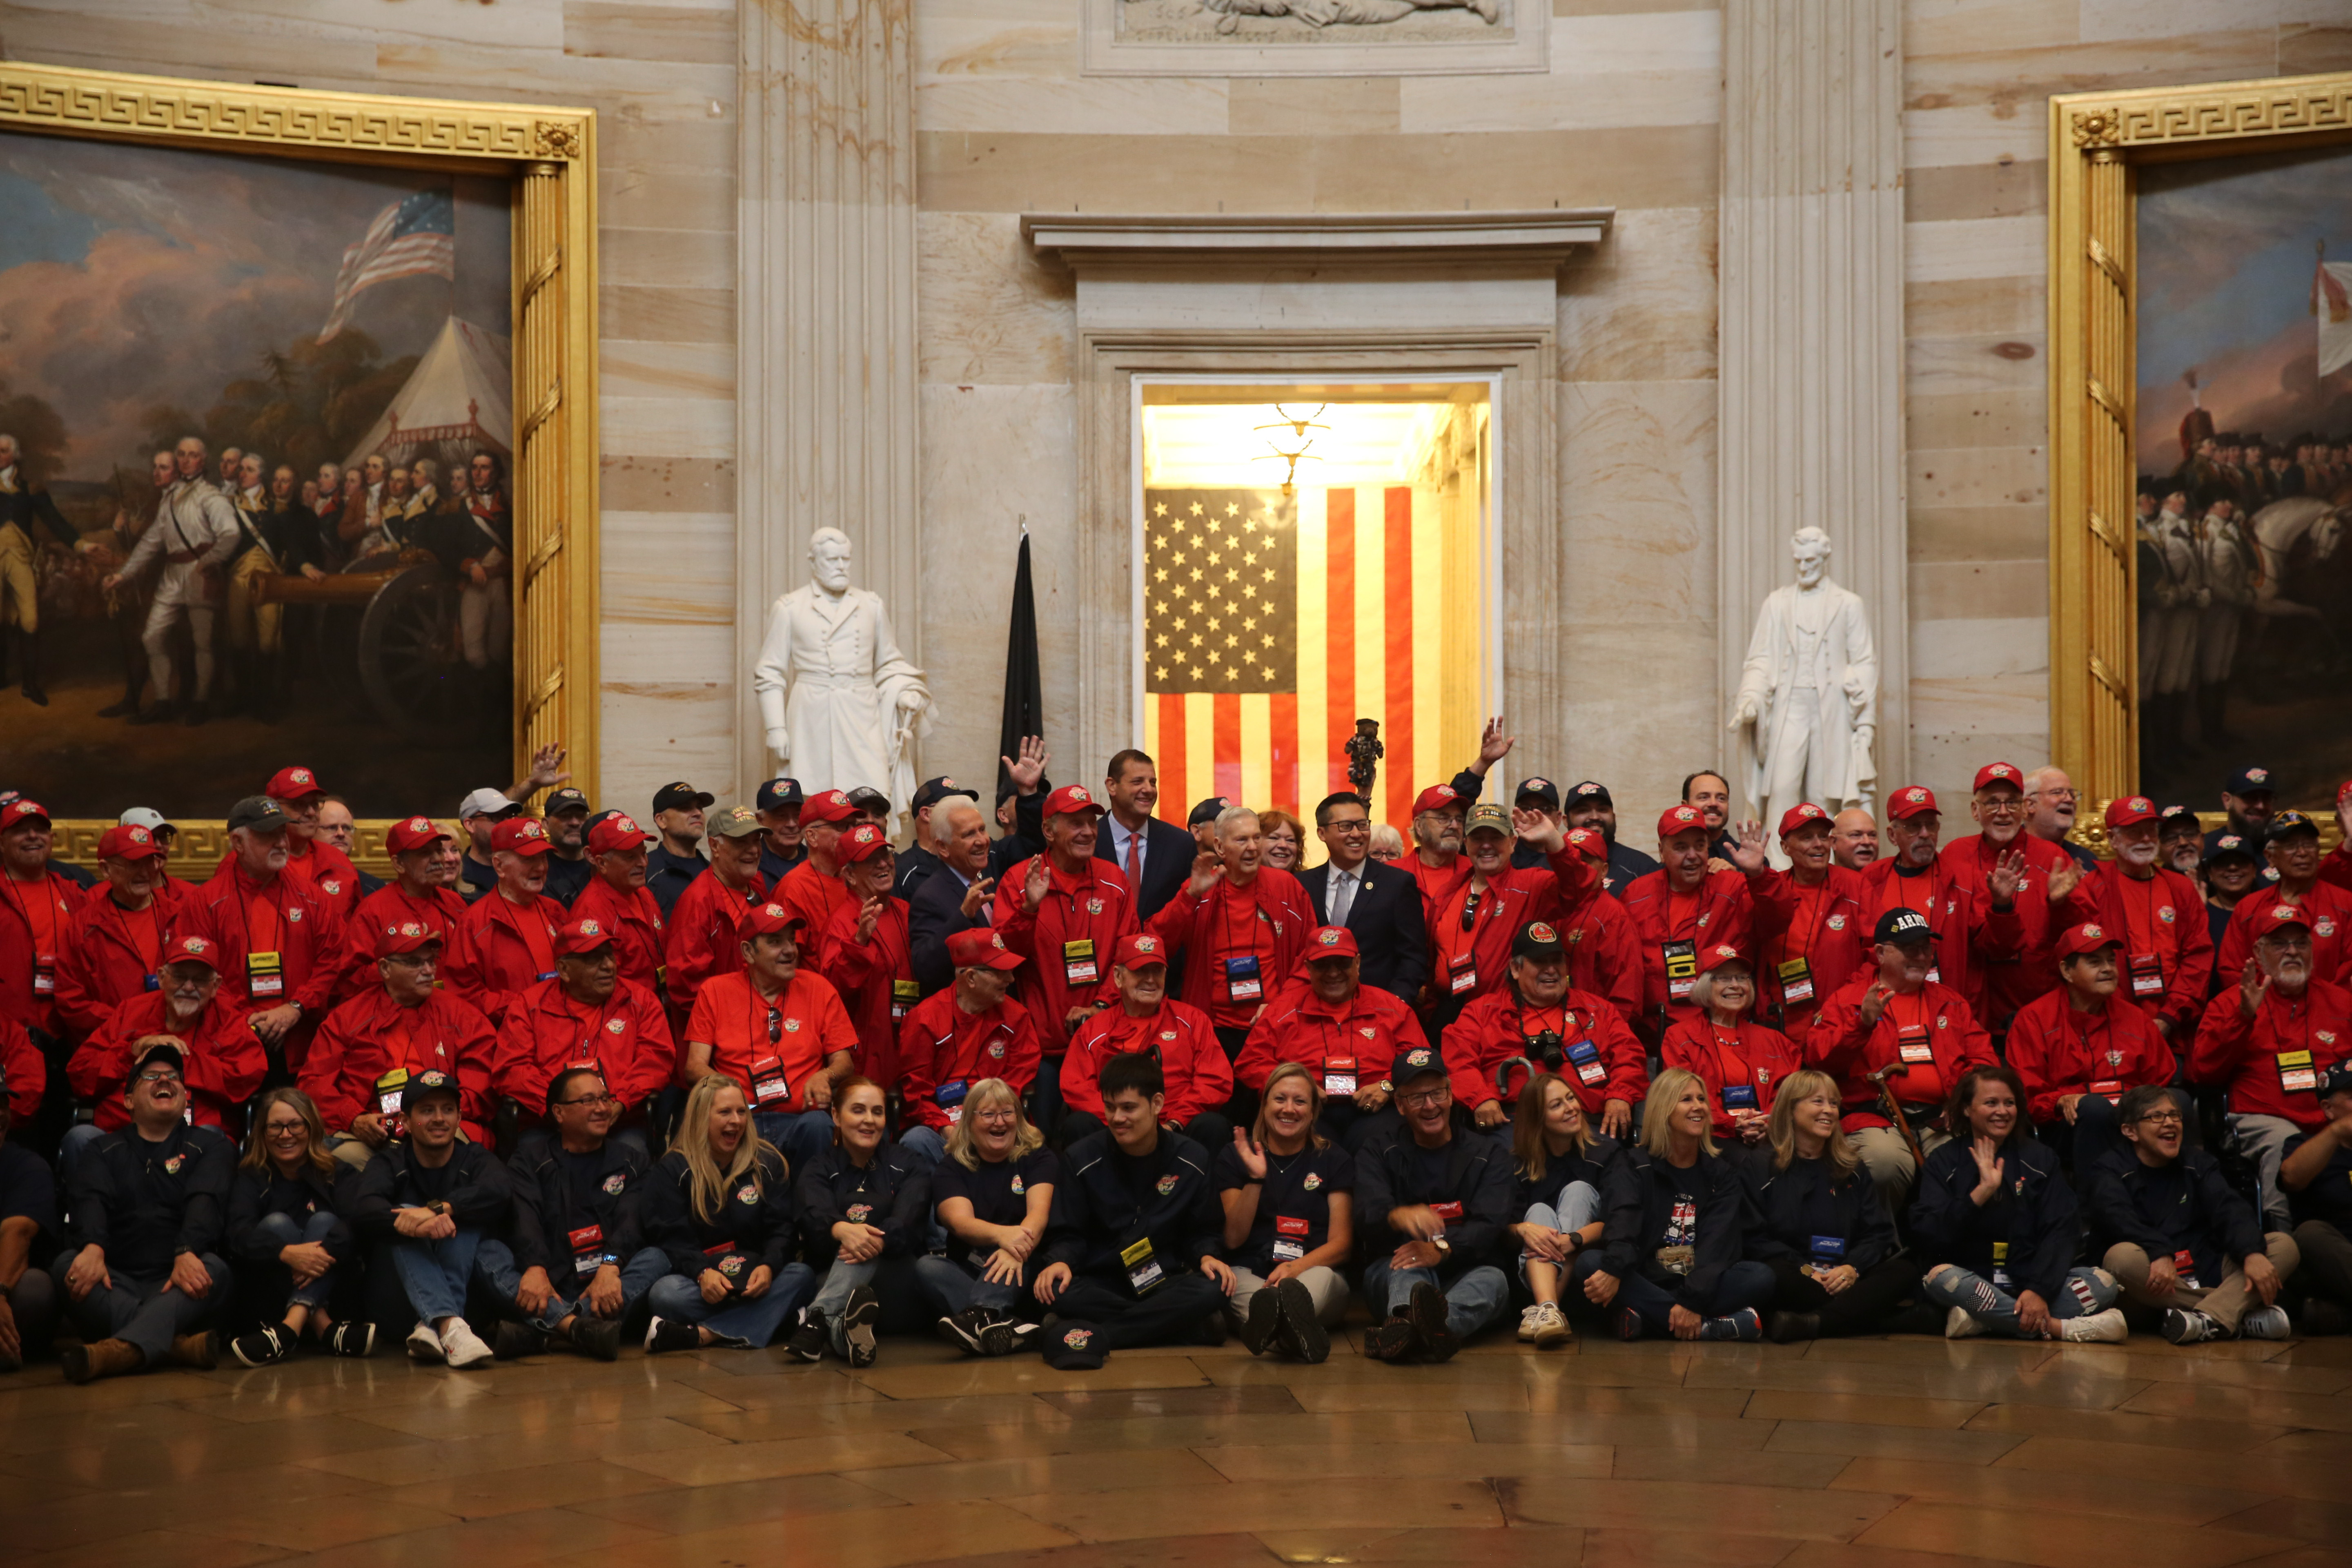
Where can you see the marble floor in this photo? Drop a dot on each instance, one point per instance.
(1904, 1453)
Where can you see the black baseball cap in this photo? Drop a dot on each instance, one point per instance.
(2337, 1079)
(680, 796)
(1207, 811)
(864, 797)
(1419, 1062)
(1903, 925)
(2250, 780)
(565, 799)
(431, 1081)
(1538, 940)
(2172, 813)
(778, 794)
(2286, 822)
(930, 792)
(1540, 790)
(2230, 847)
(1592, 792)
(1074, 1346)
(259, 813)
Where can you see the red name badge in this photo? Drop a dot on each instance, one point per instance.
(1446, 1211)
(586, 1237)
(769, 1085)
(1911, 1043)
(1285, 1225)
(2147, 975)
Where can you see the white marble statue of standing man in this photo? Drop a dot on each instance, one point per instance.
(1811, 689)
(840, 703)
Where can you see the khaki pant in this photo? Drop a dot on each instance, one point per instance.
(20, 589)
(250, 625)
(1323, 1286)
(2225, 1303)
(1888, 1159)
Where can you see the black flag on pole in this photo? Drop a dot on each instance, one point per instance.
(1024, 697)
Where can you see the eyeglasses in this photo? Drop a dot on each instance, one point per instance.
(161, 1079)
(1421, 1095)
(285, 1130)
(996, 1114)
(1469, 910)
(2162, 1118)
(1351, 826)
(605, 1098)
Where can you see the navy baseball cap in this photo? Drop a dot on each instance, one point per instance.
(2231, 846)
(777, 793)
(1074, 1346)
(2337, 1079)
(680, 796)
(1592, 791)
(2250, 780)
(430, 1081)
(930, 792)
(1419, 1062)
(2286, 822)
(565, 799)
(1542, 791)
(1903, 925)
(1207, 811)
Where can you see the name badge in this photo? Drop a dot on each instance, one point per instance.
(2147, 975)
(1911, 1043)
(45, 975)
(1796, 980)
(1078, 962)
(1339, 1075)
(1739, 1096)
(770, 1085)
(2185, 1265)
(1462, 973)
(2001, 1264)
(1682, 968)
(1446, 1211)
(388, 1091)
(1586, 1058)
(549, 976)
(904, 995)
(588, 1254)
(1242, 984)
(151, 982)
(2110, 1090)
(2296, 1075)
(1829, 1248)
(731, 1264)
(949, 1096)
(265, 975)
(1142, 1269)
(1289, 1239)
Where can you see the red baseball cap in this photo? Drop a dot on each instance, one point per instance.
(414, 833)
(2281, 915)
(1331, 942)
(404, 936)
(1680, 819)
(1714, 958)
(827, 806)
(293, 784)
(1797, 815)
(2131, 809)
(2343, 790)
(1912, 800)
(520, 835)
(21, 810)
(617, 831)
(1072, 800)
(766, 920)
(1143, 948)
(1998, 773)
(194, 950)
(120, 842)
(582, 936)
(2075, 941)
(860, 843)
(1436, 797)
(1588, 842)
(967, 948)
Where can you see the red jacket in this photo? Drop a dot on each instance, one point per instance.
(2271, 1063)
(28, 1075)
(312, 938)
(1604, 952)
(108, 961)
(1370, 1033)
(1069, 941)
(1843, 1046)
(1719, 916)
(2163, 919)
(2058, 1051)
(942, 1046)
(702, 942)
(1199, 1077)
(812, 895)
(327, 869)
(636, 921)
(371, 1034)
(2330, 909)
(502, 962)
(2010, 984)
(2335, 866)
(28, 987)
(1203, 931)
(1823, 929)
(627, 1039)
(1477, 963)
(224, 1068)
(1495, 1028)
(1753, 1057)
(441, 908)
(1434, 881)
(1970, 934)
(876, 982)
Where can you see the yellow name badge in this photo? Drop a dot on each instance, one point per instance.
(904, 995)
(1142, 1269)
(1078, 962)
(265, 975)
(388, 1091)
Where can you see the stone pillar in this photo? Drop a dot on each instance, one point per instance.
(1812, 324)
(825, 326)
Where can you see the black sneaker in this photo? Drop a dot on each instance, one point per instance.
(1629, 1323)
(664, 1335)
(808, 1341)
(1302, 1336)
(1392, 1341)
(597, 1337)
(264, 1347)
(964, 1331)
(1425, 1310)
(514, 1341)
(858, 1325)
(351, 1339)
(1793, 1328)
(1018, 1336)
(1262, 1323)
(1744, 1324)
(2190, 1328)
(2321, 1317)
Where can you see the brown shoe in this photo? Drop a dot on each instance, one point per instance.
(106, 1358)
(201, 1351)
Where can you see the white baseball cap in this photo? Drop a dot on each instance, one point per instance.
(483, 803)
(145, 816)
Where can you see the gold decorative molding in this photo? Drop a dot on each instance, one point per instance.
(2095, 141)
(201, 845)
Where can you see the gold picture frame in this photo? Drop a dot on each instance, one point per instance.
(2097, 139)
(548, 156)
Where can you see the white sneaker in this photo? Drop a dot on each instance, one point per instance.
(2265, 1323)
(464, 1348)
(1959, 1323)
(1528, 1323)
(2106, 1328)
(1550, 1326)
(2187, 1328)
(424, 1344)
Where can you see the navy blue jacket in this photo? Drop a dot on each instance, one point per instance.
(1107, 1202)
(1812, 1199)
(1592, 1167)
(1477, 1175)
(2188, 1206)
(1639, 1201)
(893, 1195)
(1168, 852)
(2034, 1213)
(670, 875)
(2327, 1197)
(1387, 919)
(473, 1183)
(254, 1195)
(547, 1211)
(934, 914)
(146, 1203)
(754, 1220)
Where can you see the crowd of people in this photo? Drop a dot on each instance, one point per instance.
(1099, 1080)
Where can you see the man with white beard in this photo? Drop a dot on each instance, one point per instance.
(195, 533)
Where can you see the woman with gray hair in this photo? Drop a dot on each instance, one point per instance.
(993, 1196)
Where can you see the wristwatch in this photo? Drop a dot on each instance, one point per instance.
(1444, 1247)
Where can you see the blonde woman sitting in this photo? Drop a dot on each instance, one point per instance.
(1837, 1265)
(1557, 1159)
(720, 1206)
(1288, 1194)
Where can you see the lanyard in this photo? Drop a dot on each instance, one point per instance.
(756, 1004)
(1790, 942)
(273, 896)
(1567, 1021)
(2142, 927)
(1682, 912)
(1902, 891)
(1226, 899)
(596, 1030)
(146, 940)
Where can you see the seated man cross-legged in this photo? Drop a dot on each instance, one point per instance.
(1435, 1197)
(426, 1201)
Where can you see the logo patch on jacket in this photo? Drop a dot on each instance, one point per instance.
(616, 1026)
(747, 1195)
(857, 1213)
(1167, 1185)
(1837, 922)
(1314, 1180)
(615, 1183)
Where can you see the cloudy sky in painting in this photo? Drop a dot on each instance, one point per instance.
(2227, 250)
(133, 277)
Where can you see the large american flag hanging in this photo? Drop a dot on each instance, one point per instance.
(1220, 592)
(415, 236)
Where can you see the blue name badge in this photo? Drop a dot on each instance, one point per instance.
(1829, 1248)
(152, 981)
(950, 1093)
(1241, 978)
(549, 976)
(1584, 1051)
(1739, 1096)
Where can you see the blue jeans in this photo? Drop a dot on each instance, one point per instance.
(802, 1135)
(1474, 1300)
(954, 1290)
(496, 1260)
(1744, 1284)
(281, 1229)
(2086, 1291)
(1578, 1207)
(748, 1323)
(70, 1149)
(434, 1273)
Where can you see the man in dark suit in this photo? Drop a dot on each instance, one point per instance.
(954, 897)
(1381, 905)
(1156, 856)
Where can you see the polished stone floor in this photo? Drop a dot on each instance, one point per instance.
(1907, 1453)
